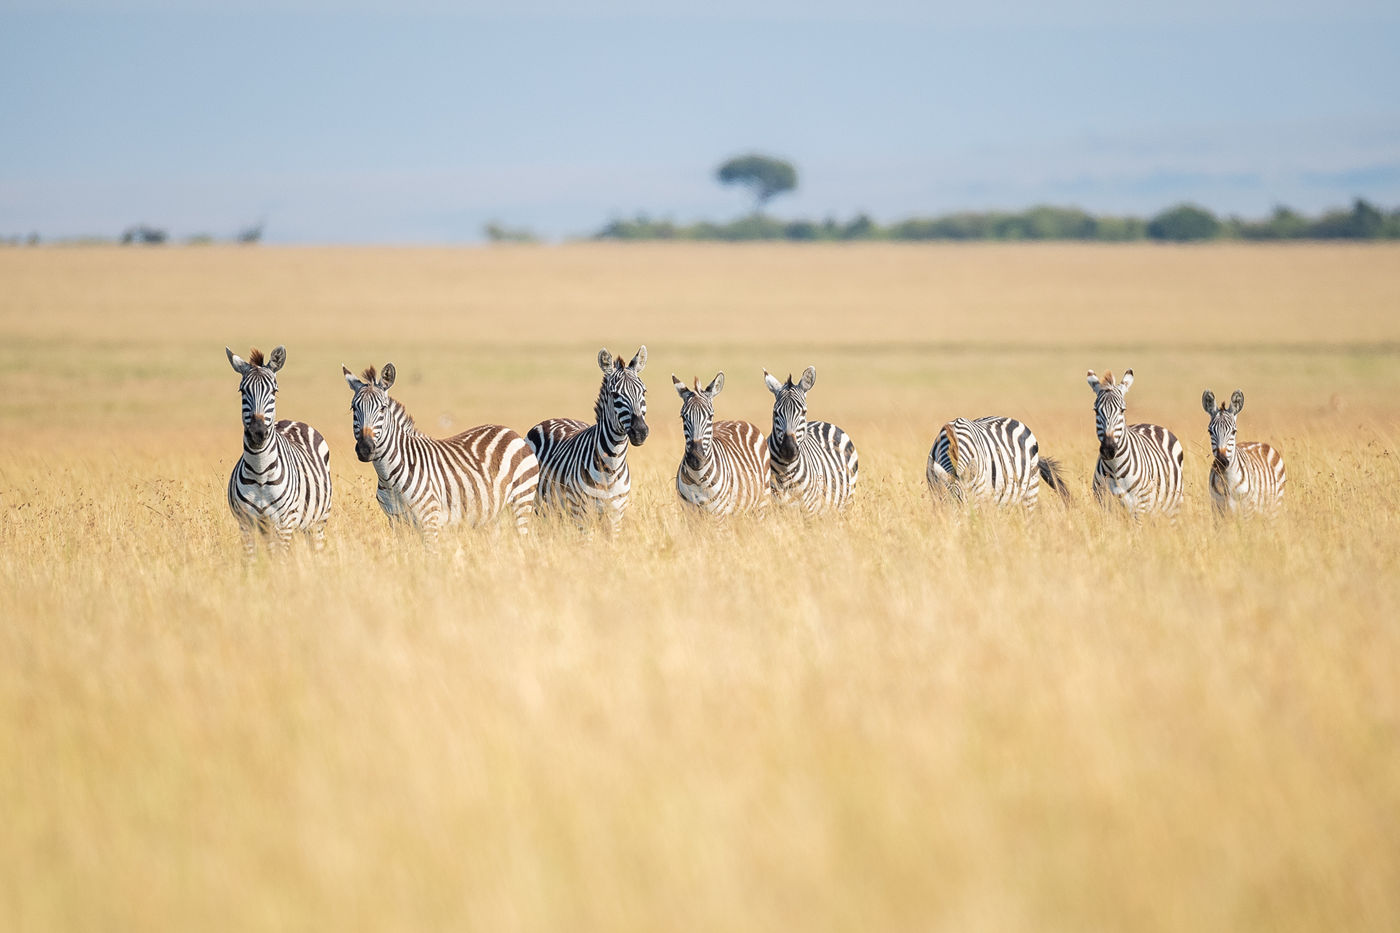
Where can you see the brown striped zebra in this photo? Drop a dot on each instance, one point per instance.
(282, 483)
(725, 466)
(1247, 477)
(991, 460)
(1139, 465)
(471, 478)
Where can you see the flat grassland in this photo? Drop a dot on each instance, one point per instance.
(896, 718)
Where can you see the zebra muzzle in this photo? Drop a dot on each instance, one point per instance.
(637, 434)
(786, 448)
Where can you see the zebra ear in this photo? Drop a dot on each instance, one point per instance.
(278, 359)
(1126, 381)
(350, 379)
(605, 360)
(809, 379)
(1208, 401)
(639, 362)
(771, 381)
(1093, 381)
(681, 389)
(386, 376)
(716, 385)
(1237, 402)
(239, 364)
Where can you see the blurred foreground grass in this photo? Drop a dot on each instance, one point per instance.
(893, 719)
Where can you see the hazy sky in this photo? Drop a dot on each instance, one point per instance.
(406, 122)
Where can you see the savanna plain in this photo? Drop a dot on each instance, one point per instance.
(899, 718)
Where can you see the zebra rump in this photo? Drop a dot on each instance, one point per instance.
(991, 460)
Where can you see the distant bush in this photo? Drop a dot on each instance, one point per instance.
(1184, 223)
(499, 233)
(147, 235)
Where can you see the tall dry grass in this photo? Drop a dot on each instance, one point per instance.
(898, 718)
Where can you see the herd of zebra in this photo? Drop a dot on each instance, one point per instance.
(282, 482)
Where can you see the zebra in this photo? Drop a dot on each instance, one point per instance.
(1139, 464)
(583, 467)
(471, 478)
(814, 463)
(282, 483)
(1246, 477)
(992, 460)
(726, 466)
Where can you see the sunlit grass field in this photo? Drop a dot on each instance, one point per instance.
(899, 718)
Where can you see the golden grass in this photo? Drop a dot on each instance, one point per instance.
(898, 718)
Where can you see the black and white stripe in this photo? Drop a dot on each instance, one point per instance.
(282, 483)
(814, 463)
(1245, 477)
(1139, 465)
(583, 467)
(725, 468)
(991, 460)
(472, 478)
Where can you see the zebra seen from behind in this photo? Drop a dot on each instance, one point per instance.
(991, 460)
(1245, 477)
(282, 483)
(814, 463)
(725, 468)
(472, 478)
(583, 467)
(1139, 465)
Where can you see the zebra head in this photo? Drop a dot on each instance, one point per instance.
(1110, 411)
(622, 399)
(1222, 424)
(698, 417)
(789, 413)
(259, 390)
(370, 409)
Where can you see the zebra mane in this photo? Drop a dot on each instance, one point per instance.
(370, 375)
(255, 357)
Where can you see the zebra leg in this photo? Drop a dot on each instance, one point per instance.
(317, 531)
(431, 534)
(250, 541)
(281, 539)
(523, 510)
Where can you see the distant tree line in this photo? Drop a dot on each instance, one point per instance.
(140, 235)
(1180, 224)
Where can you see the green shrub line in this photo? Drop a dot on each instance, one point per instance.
(1182, 223)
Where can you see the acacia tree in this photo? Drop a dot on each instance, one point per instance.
(764, 176)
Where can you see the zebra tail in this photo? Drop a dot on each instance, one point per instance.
(1053, 474)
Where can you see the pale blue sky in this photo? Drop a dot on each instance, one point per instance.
(418, 122)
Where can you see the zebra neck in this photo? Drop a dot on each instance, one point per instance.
(611, 440)
(1117, 465)
(402, 435)
(259, 462)
(703, 475)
